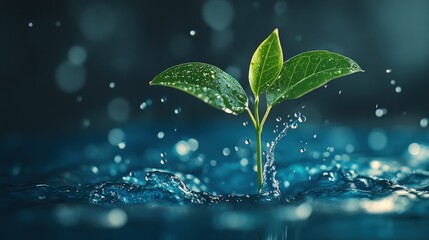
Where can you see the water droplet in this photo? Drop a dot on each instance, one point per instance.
(94, 169)
(247, 141)
(160, 135)
(380, 112)
(388, 70)
(278, 119)
(192, 32)
(424, 122)
(163, 158)
(392, 82)
(245, 123)
(177, 110)
(143, 105)
(398, 89)
(112, 85)
(315, 136)
(294, 125)
(302, 150)
(302, 118)
(122, 145)
(30, 24)
(226, 151)
(339, 92)
(227, 110)
(164, 99)
(326, 86)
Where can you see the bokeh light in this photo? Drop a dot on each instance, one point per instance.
(70, 78)
(97, 22)
(119, 109)
(77, 55)
(218, 14)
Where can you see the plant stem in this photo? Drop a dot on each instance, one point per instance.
(258, 131)
(259, 125)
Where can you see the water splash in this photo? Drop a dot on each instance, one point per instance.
(160, 187)
(270, 187)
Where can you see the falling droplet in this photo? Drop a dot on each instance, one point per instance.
(143, 105)
(380, 112)
(398, 89)
(339, 92)
(245, 123)
(247, 141)
(302, 150)
(278, 119)
(30, 24)
(315, 136)
(160, 135)
(164, 99)
(388, 70)
(177, 110)
(112, 85)
(302, 118)
(192, 32)
(163, 158)
(226, 151)
(392, 82)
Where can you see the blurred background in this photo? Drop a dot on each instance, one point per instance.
(74, 71)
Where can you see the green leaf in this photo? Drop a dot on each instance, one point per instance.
(308, 71)
(207, 83)
(266, 64)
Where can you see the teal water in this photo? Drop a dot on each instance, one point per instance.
(183, 193)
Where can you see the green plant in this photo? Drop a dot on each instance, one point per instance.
(268, 74)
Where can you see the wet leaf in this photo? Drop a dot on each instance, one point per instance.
(266, 64)
(207, 83)
(307, 72)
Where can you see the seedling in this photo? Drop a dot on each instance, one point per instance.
(268, 75)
